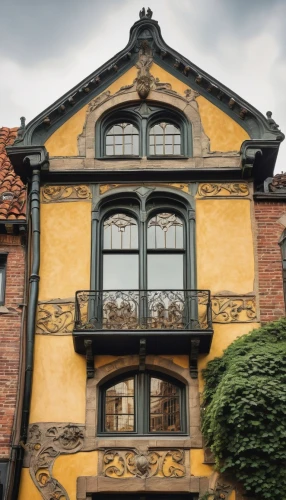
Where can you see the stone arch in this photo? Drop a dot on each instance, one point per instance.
(101, 104)
(161, 364)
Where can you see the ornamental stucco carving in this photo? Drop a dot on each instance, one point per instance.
(233, 189)
(103, 188)
(45, 445)
(119, 463)
(56, 317)
(52, 194)
(233, 309)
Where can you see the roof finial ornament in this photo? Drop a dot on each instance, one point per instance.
(272, 123)
(147, 14)
(22, 128)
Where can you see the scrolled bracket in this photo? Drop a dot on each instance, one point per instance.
(194, 352)
(90, 371)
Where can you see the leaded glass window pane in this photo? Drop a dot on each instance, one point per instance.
(122, 139)
(165, 230)
(120, 232)
(119, 407)
(164, 406)
(164, 139)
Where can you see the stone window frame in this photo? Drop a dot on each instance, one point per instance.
(88, 146)
(154, 363)
(144, 399)
(143, 123)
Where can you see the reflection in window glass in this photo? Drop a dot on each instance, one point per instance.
(119, 407)
(164, 406)
(122, 139)
(120, 232)
(165, 271)
(165, 230)
(120, 271)
(164, 139)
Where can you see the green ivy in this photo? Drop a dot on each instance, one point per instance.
(244, 414)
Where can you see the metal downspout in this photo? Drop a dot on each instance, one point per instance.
(31, 316)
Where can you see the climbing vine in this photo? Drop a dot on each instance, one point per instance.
(244, 411)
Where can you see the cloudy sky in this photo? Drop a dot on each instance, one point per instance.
(48, 46)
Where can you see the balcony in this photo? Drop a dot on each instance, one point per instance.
(166, 321)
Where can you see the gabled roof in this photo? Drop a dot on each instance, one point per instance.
(258, 126)
(12, 189)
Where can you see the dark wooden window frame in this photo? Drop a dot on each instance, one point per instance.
(143, 122)
(142, 401)
(143, 251)
(3, 265)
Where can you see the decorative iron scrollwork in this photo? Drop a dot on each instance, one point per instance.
(143, 310)
(118, 463)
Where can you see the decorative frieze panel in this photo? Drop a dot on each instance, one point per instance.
(119, 463)
(223, 189)
(52, 194)
(234, 309)
(103, 188)
(57, 318)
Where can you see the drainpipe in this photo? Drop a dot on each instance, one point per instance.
(32, 163)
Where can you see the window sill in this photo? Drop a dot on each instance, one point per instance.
(120, 157)
(167, 157)
(166, 441)
(4, 310)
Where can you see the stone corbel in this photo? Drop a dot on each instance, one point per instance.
(142, 355)
(89, 358)
(194, 352)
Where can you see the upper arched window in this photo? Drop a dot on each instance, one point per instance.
(164, 139)
(143, 131)
(122, 139)
(143, 403)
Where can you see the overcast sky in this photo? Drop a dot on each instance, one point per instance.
(48, 46)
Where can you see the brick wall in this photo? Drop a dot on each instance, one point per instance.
(270, 276)
(10, 325)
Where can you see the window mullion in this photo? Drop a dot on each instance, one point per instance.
(140, 403)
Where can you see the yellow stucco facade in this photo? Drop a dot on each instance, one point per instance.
(225, 265)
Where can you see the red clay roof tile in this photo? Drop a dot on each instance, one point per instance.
(14, 206)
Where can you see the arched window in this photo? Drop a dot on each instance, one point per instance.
(164, 139)
(122, 139)
(143, 403)
(143, 131)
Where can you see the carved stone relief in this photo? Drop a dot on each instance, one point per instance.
(234, 309)
(118, 463)
(233, 189)
(44, 446)
(57, 317)
(52, 194)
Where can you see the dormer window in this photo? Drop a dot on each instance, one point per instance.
(164, 139)
(122, 139)
(147, 131)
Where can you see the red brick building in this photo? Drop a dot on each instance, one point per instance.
(12, 308)
(270, 215)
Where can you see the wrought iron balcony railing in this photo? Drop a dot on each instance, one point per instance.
(126, 310)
